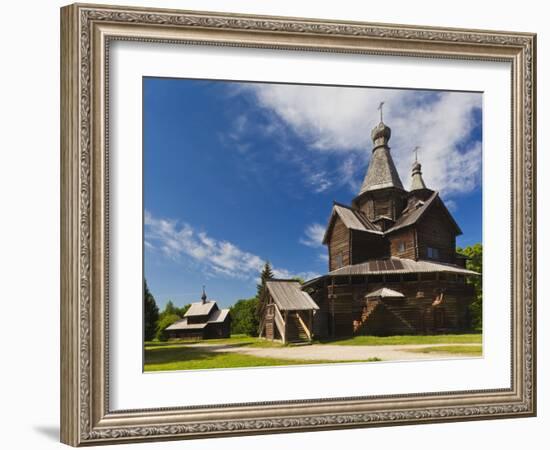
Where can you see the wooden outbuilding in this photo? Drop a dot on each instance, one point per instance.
(287, 313)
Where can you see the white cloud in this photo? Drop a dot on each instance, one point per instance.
(314, 234)
(333, 119)
(176, 239)
(451, 205)
(319, 181)
(286, 275)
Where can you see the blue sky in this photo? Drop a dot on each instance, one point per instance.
(239, 173)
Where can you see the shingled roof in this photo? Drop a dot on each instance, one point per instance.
(217, 316)
(200, 309)
(288, 295)
(384, 293)
(396, 265)
(353, 219)
(183, 325)
(413, 214)
(381, 172)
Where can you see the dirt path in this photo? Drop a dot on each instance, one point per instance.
(336, 352)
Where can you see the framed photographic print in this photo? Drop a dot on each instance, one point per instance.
(276, 224)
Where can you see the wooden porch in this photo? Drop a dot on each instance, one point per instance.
(287, 314)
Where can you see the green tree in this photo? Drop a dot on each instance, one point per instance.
(150, 313)
(171, 309)
(169, 315)
(164, 322)
(266, 274)
(181, 311)
(244, 319)
(475, 263)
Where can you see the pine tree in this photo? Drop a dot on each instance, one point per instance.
(267, 274)
(150, 313)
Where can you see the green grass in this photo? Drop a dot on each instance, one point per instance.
(469, 350)
(237, 340)
(172, 357)
(408, 339)
(186, 355)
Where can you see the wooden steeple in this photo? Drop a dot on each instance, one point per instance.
(381, 196)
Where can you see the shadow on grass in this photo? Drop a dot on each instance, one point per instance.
(196, 358)
(180, 354)
(232, 342)
(419, 339)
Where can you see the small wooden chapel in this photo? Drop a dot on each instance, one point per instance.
(203, 320)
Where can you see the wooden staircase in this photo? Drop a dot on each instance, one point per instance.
(383, 316)
(358, 327)
(297, 334)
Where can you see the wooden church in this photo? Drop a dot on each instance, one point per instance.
(203, 320)
(393, 266)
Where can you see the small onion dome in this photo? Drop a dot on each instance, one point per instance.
(380, 134)
(417, 180)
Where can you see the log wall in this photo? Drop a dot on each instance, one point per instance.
(407, 236)
(412, 315)
(339, 244)
(434, 231)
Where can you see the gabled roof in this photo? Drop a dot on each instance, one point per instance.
(414, 214)
(384, 293)
(183, 325)
(352, 219)
(396, 265)
(200, 309)
(381, 172)
(217, 316)
(288, 295)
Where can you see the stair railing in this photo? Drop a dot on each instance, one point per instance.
(280, 322)
(304, 326)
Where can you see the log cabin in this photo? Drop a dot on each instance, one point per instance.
(203, 320)
(392, 264)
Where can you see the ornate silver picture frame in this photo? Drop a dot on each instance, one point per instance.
(87, 32)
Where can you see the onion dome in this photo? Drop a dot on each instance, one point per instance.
(380, 135)
(417, 180)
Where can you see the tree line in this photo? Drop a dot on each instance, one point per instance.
(474, 253)
(244, 313)
(155, 321)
